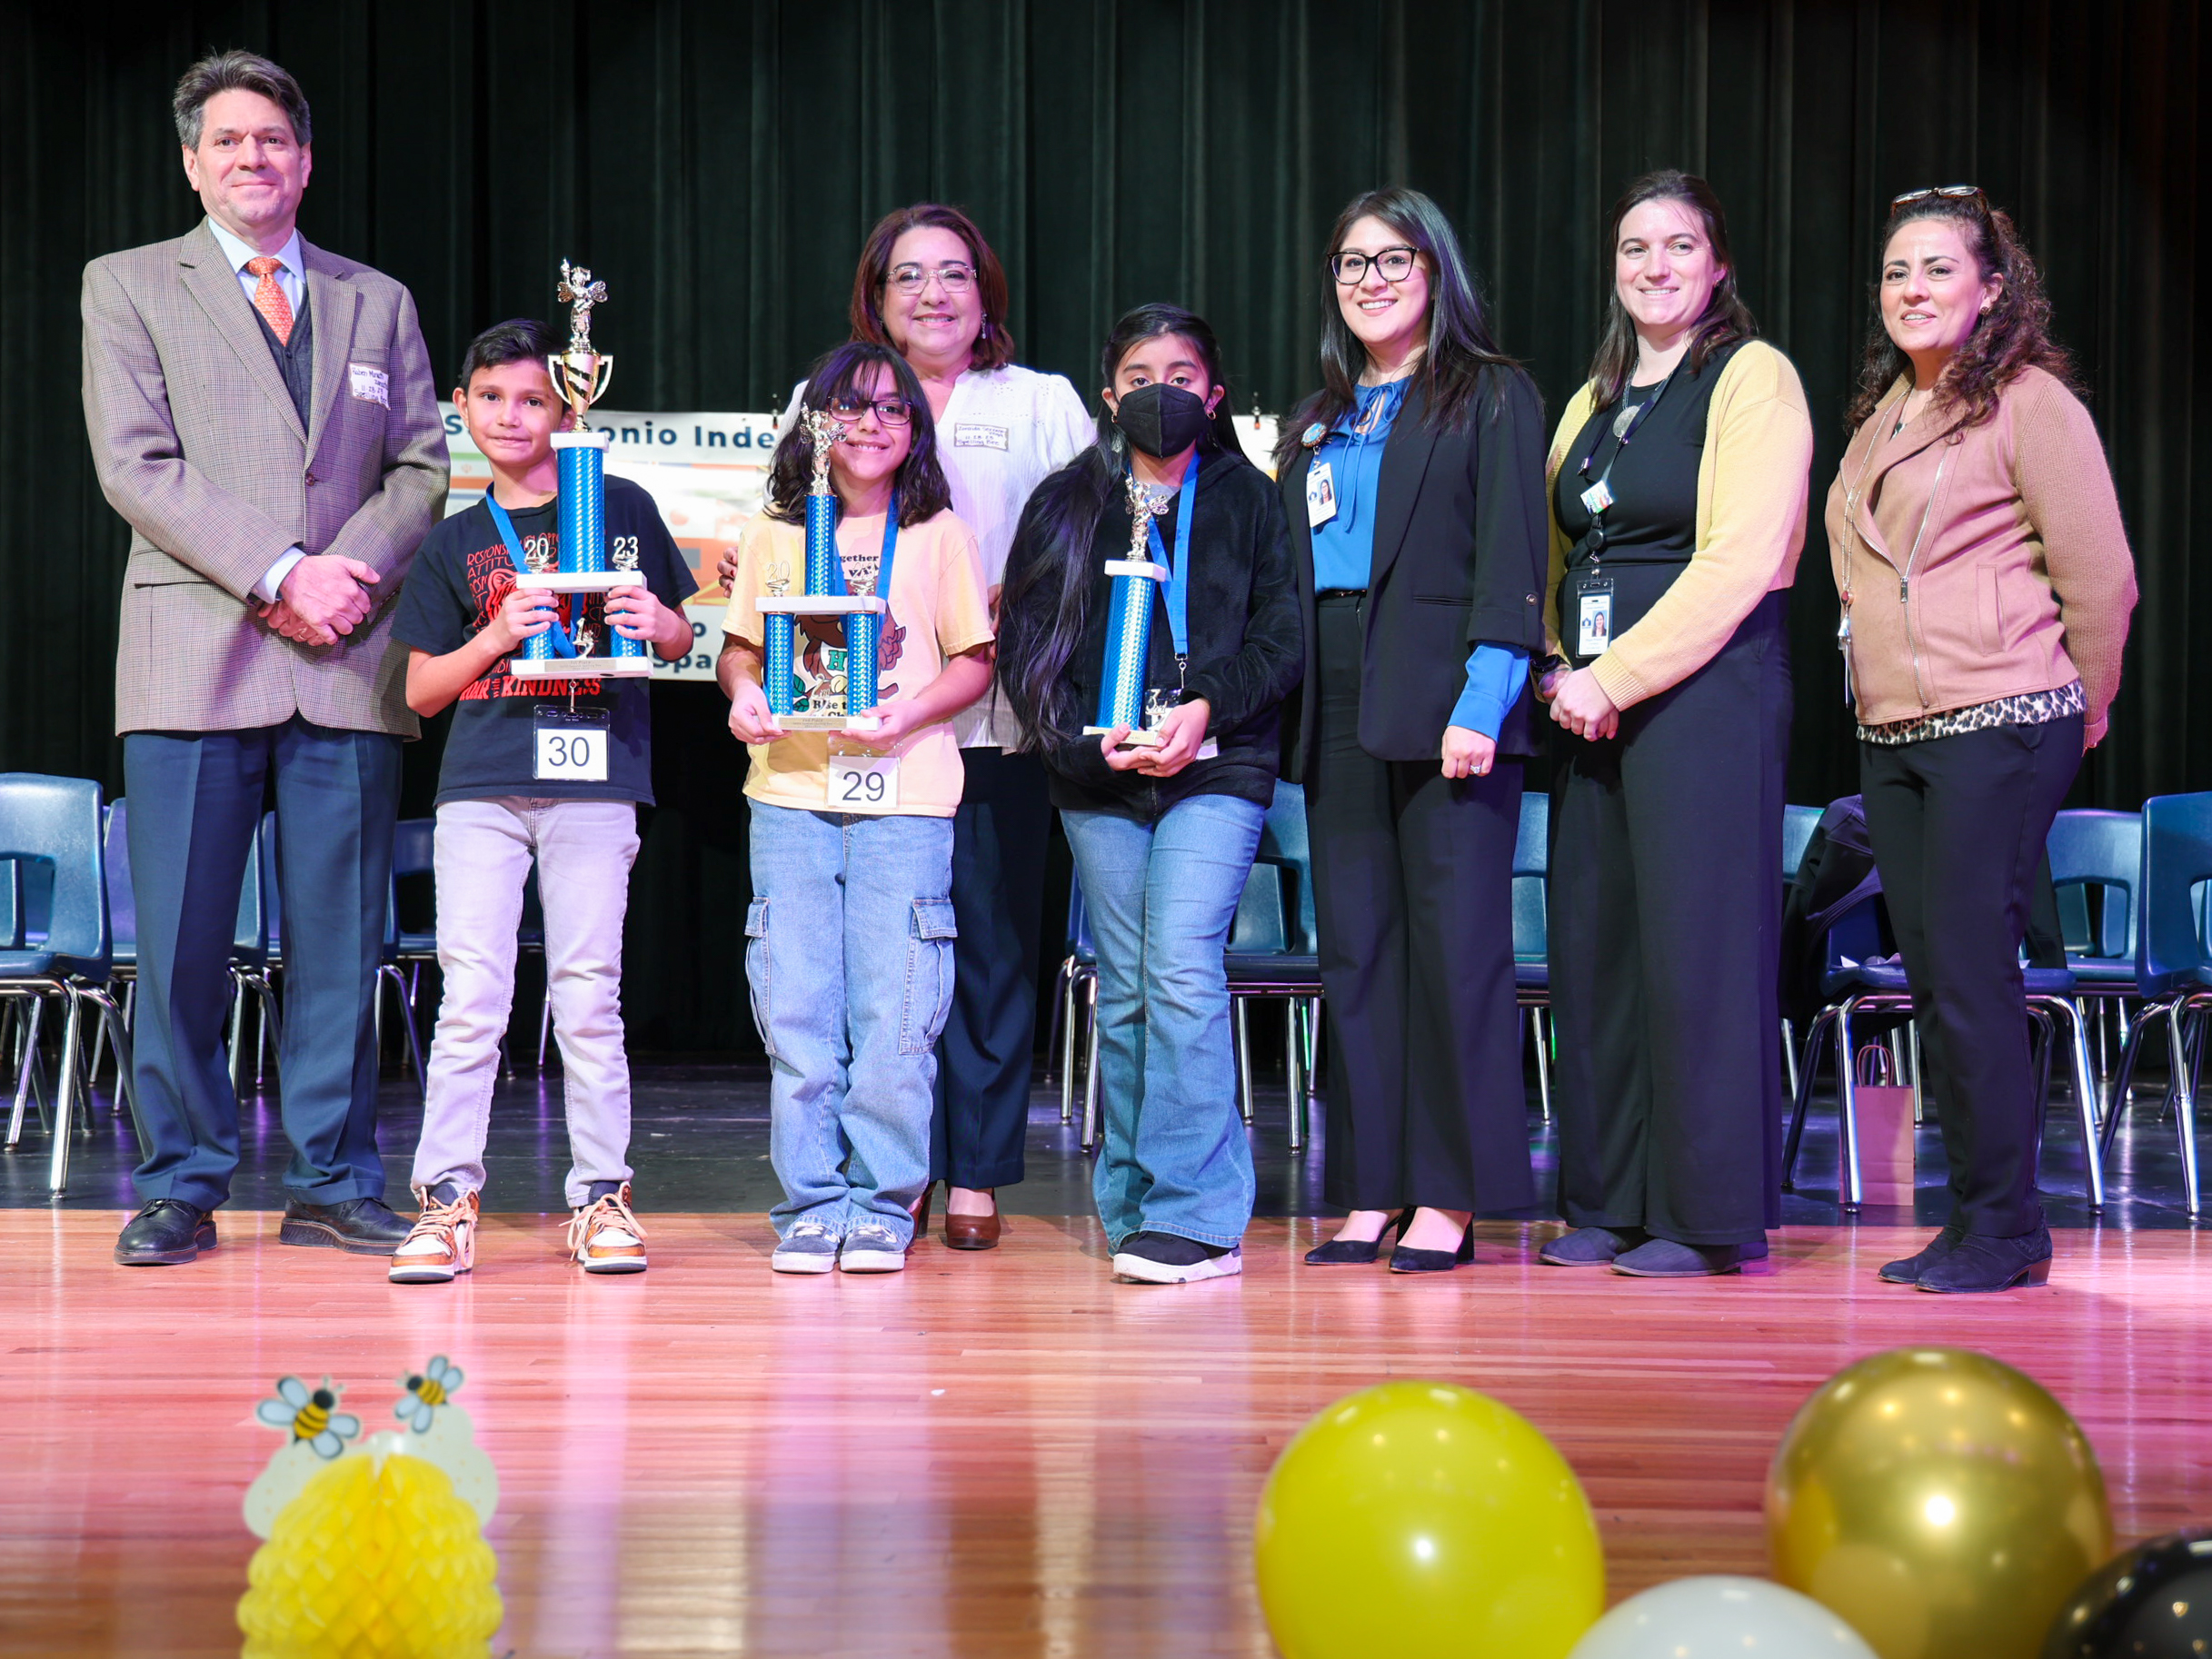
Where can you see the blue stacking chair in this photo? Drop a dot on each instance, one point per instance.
(56, 823)
(122, 937)
(1857, 982)
(2172, 965)
(1798, 826)
(1273, 952)
(1532, 932)
(1075, 989)
(414, 856)
(2096, 858)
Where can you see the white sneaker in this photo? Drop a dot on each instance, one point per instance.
(871, 1249)
(605, 1236)
(808, 1248)
(442, 1243)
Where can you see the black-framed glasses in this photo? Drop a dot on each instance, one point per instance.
(912, 279)
(889, 410)
(1948, 193)
(1395, 263)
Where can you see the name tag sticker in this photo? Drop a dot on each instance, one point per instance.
(1594, 621)
(975, 435)
(1321, 495)
(370, 385)
(571, 747)
(863, 783)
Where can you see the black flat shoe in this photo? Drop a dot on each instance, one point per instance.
(1591, 1246)
(1357, 1251)
(1978, 1263)
(361, 1227)
(1909, 1270)
(167, 1232)
(1667, 1258)
(1403, 1260)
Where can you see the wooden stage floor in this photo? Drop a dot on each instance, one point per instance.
(996, 1454)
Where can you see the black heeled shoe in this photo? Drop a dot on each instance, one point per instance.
(1403, 1260)
(1358, 1252)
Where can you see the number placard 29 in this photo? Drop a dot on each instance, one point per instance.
(863, 783)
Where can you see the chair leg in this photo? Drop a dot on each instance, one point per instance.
(1091, 1067)
(1789, 1057)
(2185, 1103)
(1920, 1088)
(1850, 1188)
(2122, 1094)
(1066, 1019)
(65, 1091)
(1809, 1070)
(545, 1017)
(414, 1043)
(1052, 1035)
(1293, 1084)
(1539, 1029)
(1241, 1039)
(26, 1023)
(238, 1036)
(2087, 1104)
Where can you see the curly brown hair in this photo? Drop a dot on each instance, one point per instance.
(2011, 338)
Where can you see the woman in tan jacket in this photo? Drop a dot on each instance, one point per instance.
(1986, 586)
(1678, 493)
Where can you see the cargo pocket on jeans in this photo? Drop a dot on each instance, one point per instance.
(928, 976)
(758, 964)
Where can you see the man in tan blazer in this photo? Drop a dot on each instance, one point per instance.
(263, 414)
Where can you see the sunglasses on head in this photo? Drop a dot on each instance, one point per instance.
(1948, 193)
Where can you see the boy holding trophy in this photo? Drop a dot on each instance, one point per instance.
(857, 628)
(547, 759)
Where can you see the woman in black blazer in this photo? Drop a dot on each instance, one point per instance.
(1414, 481)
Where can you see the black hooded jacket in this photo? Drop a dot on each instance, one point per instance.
(1246, 650)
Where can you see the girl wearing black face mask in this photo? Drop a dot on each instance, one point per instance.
(1415, 483)
(1164, 828)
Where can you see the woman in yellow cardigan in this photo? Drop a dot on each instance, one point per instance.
(1678, 494)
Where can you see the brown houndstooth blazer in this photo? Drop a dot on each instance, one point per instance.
(197, 444)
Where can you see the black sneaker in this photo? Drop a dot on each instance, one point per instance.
(167, 1232)
(1169, 1258)
(362, 1226)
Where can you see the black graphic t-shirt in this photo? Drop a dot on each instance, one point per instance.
(462, 575)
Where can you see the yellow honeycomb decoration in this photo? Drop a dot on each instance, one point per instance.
(376, 1559)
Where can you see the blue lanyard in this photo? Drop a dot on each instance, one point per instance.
(557, 635)
(1179, 571)
(891, 552)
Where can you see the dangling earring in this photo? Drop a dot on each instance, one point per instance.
(1118, 445)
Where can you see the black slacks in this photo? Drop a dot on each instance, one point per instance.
(1665, 901)
(984, 1058)
(1958, 825)
(1412, 891)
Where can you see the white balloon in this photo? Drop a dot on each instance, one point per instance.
(1706, 1618)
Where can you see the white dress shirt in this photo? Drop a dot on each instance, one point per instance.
(292, 277)
(1002, 431)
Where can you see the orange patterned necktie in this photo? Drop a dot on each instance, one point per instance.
(269, 297)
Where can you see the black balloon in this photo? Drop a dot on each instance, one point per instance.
(2153, 1603)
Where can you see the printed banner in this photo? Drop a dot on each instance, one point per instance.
(707, 473)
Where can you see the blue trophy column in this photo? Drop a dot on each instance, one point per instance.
(1128, 635)
(582, 461)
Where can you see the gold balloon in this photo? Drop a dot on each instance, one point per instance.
(1939, 1501)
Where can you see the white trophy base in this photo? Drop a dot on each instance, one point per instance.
(820, 604)
(582, 440)
(580, 668)
(578, 581)
(1137, 567)
(859, 723)
(1138, 739)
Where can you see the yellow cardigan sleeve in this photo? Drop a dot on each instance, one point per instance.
(1753, 489)
(1570, 422)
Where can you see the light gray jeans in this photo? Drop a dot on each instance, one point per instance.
(583, 850)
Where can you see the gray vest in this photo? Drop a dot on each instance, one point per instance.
(295, 361)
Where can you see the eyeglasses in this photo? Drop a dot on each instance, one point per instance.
(913, 279)
(1950, 193)
(889, 410)
(1395, 263)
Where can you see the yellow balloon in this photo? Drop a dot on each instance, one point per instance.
(1939, 1501)
(1426, 1518)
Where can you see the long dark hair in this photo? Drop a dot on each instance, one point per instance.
(1046, 605)
(1726, 318)
(921, 482)
(1460, 346)
(2011, 339)
(994, 347)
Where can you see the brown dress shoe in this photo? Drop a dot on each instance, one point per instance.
(971, 1232)
(920, 1213)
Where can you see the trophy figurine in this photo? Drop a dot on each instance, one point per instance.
(580, 375)
(862, 612)
(1123, 700)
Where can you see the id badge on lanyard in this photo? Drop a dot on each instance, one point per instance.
(1594, 615)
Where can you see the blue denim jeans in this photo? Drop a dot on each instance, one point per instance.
(848, 950)
(1173, 1155)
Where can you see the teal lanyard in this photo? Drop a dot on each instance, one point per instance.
(891, 552)
(1178, 573)
(557, 635)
